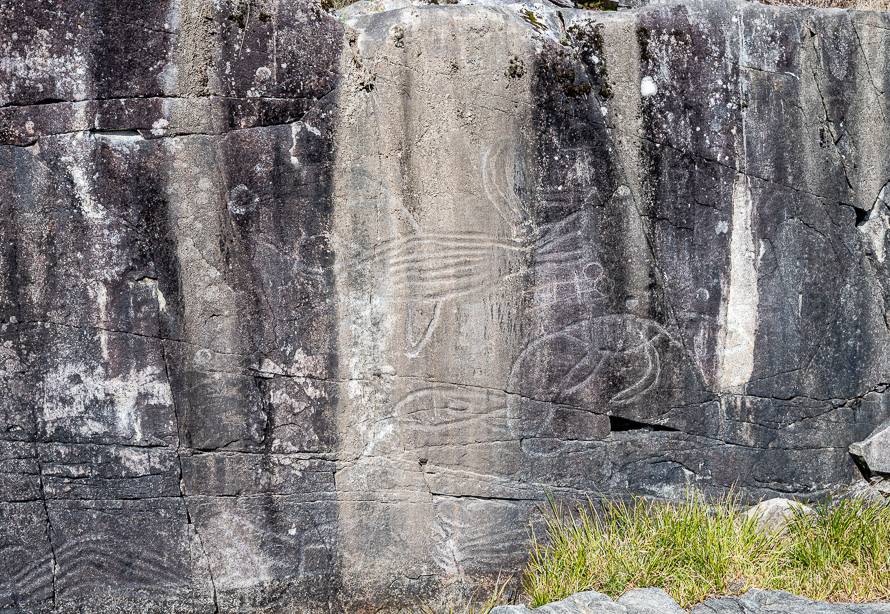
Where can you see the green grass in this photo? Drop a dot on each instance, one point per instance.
(481, 601)
(496, 597)
(695, 549)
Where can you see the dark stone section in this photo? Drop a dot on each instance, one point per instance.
(710, 127)
(756, 601)
(27, 566)
(166, 416)
(61, 51)
(140, 554)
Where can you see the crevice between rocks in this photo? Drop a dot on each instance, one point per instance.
(829, 124)
(617, 424)
(49, 523)
(181, 481)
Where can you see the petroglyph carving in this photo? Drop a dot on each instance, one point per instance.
(588, 357)
(498, 181)
(433, 405)
(35, 578)
(73, 556)
(432, 268)
(565, 268)
(583, 282)
(440, 267)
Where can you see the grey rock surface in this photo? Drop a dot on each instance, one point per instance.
(874, 452)
(305, 312)
(589, 602)
(649, 601)
(166, 441)
(656, 601)
(759, 601)
(773, 515)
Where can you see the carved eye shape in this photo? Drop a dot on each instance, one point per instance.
(242, 201)
(593, 270)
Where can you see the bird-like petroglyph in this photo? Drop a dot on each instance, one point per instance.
(429, 269)
(617, 355)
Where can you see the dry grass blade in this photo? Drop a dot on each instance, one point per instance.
(695, 549)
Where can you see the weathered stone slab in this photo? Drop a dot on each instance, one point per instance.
(113, 554)
(755, 601)
(656, 601)
(309, 312)
(26, 567)
(874, 451)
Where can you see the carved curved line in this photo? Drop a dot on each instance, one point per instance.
(555, 233)
(405, 249)
(34, 575)
(649, 333)
(496, 183)
(583, 382)
(440, 265)
(416, 348)
(557, 258)
(563, 333)
(72, 552)
(489, 185)
(649, 379)
(445, 276)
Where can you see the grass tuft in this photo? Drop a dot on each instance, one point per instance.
(496, 595)
(694, 549)
(840, 553)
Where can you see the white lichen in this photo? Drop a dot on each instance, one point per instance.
(648, 87)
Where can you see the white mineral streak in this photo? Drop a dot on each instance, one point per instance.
(81, 174)
(739, 309)
(876, 225)
(740, 317)
(101, 293)
(648, 87)
(72, 392)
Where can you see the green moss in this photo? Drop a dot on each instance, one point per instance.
(532, 18)
(597, 5)
(588, 41)
(333, 5)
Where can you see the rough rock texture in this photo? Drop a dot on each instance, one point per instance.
(773, 515)
(640, 601)
(874, 452)
(656, 601)
(306, 313)
(778, 602)
(166, 416)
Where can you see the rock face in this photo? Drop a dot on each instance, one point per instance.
(874, 452)
(774, 515)
(304, 312)
(639, 601)
(778, 602)
(167, 435)
(656, 601)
